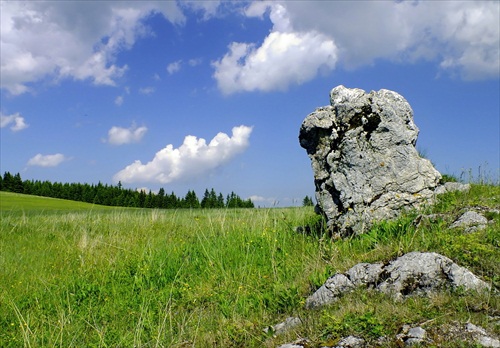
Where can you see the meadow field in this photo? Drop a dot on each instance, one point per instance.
(81, 275)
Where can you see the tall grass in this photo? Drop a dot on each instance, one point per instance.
(216, 278)
(149, 277)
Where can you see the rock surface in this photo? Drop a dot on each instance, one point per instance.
(363, 155)
(411, 274)
(285, 326)
(470, 221)
(452, 186)
(412, 335)
(351, 342)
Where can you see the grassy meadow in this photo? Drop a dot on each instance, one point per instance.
(81, 275)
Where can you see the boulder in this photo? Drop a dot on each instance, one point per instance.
(415, 273)
(366, 167)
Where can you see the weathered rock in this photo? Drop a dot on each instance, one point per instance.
(351, 342)
(481, 336)
(285, 326)
(411, 274)
(412, 335)
(470, 221)
(329, 292)
(363, 155)
(452, 186)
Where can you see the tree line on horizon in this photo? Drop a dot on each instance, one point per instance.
(118, 196)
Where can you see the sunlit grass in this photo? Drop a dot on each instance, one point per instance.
(73, 277)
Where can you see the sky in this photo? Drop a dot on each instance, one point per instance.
(194, 95)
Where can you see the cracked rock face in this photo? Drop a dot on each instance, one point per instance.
(411, 274)
(363, 155)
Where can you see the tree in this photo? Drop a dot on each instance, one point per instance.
(191, 200)
(307, 202)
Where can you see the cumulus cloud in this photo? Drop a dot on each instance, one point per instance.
(47, 160)
(285, 57)
(194, 158)
(460, 36)
(120, 136)
(16, 121)
(79, 40)
(309, 37)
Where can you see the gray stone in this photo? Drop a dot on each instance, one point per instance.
(300, 343)
(411, 335)
(285, 326)
(452, 186)
(366, 167)
(470, 221)
(421, 273)
(411, 274)
(365, 274)
(481, 336)
(329, 292)
(351, 342)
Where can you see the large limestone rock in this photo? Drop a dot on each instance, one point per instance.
(363, 155)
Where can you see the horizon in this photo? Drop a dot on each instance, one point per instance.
(198, 95)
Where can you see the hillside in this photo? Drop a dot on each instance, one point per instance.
(80, 276)
(14, 202)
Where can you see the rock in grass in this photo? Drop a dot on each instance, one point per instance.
(285, 326)
(481, 336)
(452, 186)
(470, 221)
(412, 335)
(351, 342)
(415, 273)
(363, 155)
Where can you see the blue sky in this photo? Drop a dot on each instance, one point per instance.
(195, 95)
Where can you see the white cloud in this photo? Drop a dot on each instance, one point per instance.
(461, 36)
(16, 121)
(120, 136)
(47, 160)
(195, 61)
(194, 158)
(146, 90)
(79, 40)
(263, 200)
(285, 57)
(310, 36)
(174, 67)
(119, 100)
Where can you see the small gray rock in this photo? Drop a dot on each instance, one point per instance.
(416, 335)
(481, 336)
(351, 342)
(470, 221)
(452, 186)
(285, 326)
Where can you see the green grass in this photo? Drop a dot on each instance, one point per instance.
(76, 275)
(15, 202)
